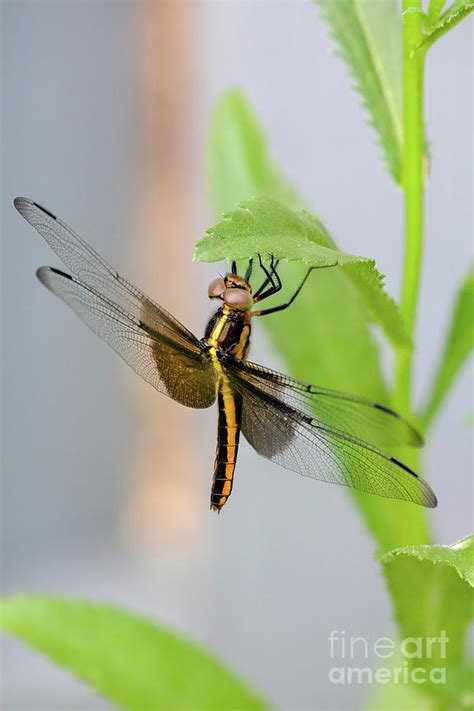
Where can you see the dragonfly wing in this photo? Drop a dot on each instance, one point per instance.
(171, 367)
(301, 443)
(357, 416)
(148, 338)
(93, 271)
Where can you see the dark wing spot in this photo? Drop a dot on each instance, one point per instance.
(40, 207)
(63, 274)
(404, 466)
(387, 410)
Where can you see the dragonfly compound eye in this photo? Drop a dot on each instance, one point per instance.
(216, 289)
(238, 299)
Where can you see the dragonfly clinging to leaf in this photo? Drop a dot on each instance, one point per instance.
(320, 433)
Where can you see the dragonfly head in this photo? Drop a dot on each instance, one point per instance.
(234, 291)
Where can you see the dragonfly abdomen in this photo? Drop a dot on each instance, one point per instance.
(229, 416)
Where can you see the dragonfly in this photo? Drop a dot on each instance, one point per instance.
(320, 433)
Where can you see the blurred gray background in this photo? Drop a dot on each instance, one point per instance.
(263, 584)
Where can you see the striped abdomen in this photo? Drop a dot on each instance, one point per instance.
(229, 413)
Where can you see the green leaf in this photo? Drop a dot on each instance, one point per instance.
(325, 336)
(236, 140)
(266, 226)
(459, 556)
(380, 306)
(432, 590)
(369, 38)
(458, 345)
(133, 662)
(449, 19)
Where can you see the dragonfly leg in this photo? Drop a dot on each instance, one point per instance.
(234, 267)
(248, 273)
(282, 307)
(272, 278)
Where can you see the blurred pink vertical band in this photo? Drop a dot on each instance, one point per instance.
(164, 465)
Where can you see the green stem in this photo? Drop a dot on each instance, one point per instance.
(413, 186)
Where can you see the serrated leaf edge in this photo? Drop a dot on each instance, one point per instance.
(412, 552)
(396, 123)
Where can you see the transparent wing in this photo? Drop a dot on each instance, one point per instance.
(301, 443)
(171, 368)
(147, 337)
(354, 415)
(94, 272)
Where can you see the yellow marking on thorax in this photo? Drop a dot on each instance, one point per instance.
(244, 337)
(213, 339)
(213, 342)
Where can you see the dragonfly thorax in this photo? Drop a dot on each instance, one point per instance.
(228, 331)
